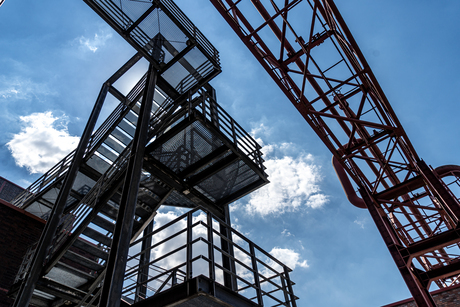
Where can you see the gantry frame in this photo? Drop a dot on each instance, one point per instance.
(308, 50)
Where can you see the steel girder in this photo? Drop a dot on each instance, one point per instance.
(323, 73)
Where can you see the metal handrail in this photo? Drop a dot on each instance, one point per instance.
(232, 130)
(273, 283)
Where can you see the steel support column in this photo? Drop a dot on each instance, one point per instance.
(419, 291)
(143, 276)
(227, 262)
(116, 264)
(27, 286)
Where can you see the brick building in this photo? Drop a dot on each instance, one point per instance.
(18, 230)
(449, 297)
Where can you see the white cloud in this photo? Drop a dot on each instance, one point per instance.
(15, 88)
(293, 185)
(94, 43)
(42, 143)
(286, 233)
(289, 257)
(360, 223)
(294, 179)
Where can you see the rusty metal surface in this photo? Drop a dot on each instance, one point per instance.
(308, 50)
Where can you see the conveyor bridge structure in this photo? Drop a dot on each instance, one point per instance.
(167, 142)
(306, 47)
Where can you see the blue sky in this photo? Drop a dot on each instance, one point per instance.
(55, 55)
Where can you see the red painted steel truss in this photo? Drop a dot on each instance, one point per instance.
(308, 50)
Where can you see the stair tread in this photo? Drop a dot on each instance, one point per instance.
(83, 260)
(91, 248)
(103, 223)
(96, 235)
(75, 271)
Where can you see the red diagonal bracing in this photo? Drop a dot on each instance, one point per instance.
(369, 141)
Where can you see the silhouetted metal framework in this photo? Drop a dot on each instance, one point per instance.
(198, 242)
(167, 142)
(308, 50)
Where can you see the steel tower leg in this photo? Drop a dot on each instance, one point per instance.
(116, 264)
(28, 285)
(419, 291)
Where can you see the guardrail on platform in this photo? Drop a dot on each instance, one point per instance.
(198, 243)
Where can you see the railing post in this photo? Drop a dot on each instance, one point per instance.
(227, 262)
(212, 268)
(289, 285)
(256, 274)
(233, 132)
(174, 278)
(143, 275)
(213, 107)
(189, 254)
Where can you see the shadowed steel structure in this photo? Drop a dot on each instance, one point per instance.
(308, 50)
(167, 142)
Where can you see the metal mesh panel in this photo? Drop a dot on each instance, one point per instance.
(177, 199)
(158, 23)
(187, 147)
(229, 180)
(175, 75)
(189, 70)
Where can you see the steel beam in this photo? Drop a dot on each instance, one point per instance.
(116, 264)
(27, 287)
(449, 202)
(418, 290)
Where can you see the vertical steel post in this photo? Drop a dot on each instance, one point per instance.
(227, 262)
(116, 264)
(189, 251)
(212, 268)
(28, 285)
(256, 274)
(289, 285)
(143, 275)
(421, 295)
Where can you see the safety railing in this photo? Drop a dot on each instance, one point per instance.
(125, 16)
(57, 172)
(198, 243)
(193, 31)
(242, 140)
(73, 219)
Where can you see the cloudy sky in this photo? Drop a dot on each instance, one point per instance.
(55, 55)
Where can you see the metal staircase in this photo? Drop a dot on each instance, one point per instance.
(194, 154)
(77, 257)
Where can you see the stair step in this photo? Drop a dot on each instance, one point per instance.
(110, 212)
(103, 223)
(96, 235)
(91, 248)
(83, 260)
(72, 270)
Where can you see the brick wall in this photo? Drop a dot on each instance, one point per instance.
(18, 230)
(448, 297)
(9, 190)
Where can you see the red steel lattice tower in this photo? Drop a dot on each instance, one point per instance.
(308, 50)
